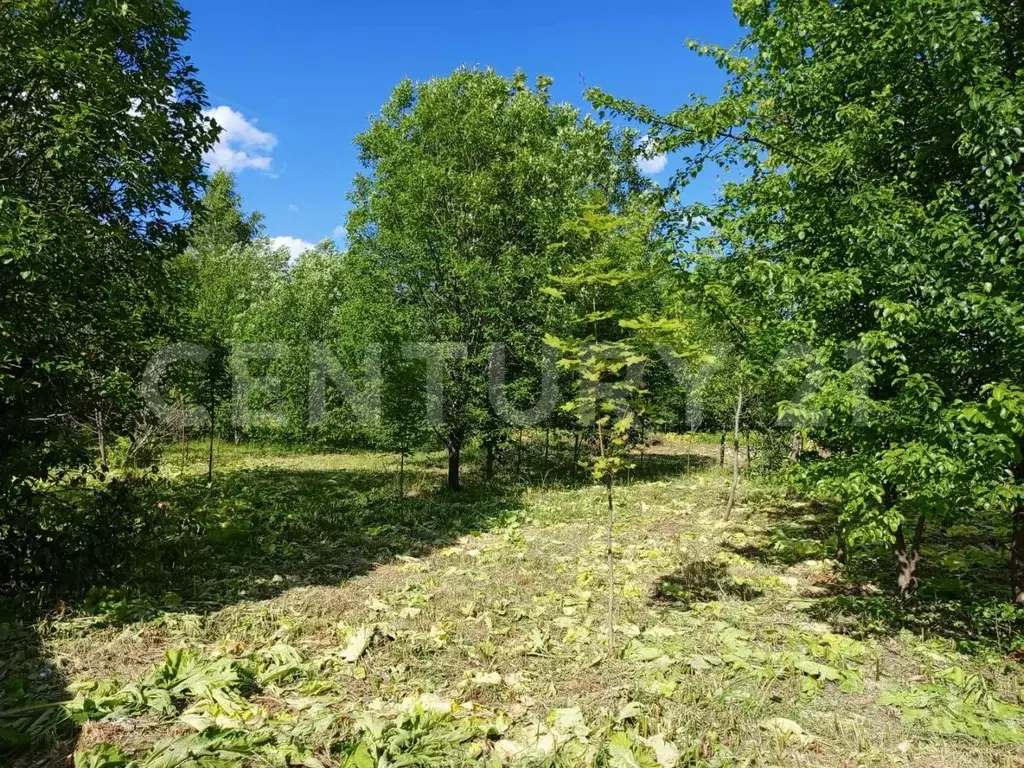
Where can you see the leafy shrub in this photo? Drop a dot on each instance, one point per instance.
(68, 539)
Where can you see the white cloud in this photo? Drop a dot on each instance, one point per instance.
(241, 144)
(650, 162)
(293, 208)
(339, 231)
(295, 246)
(652, 165)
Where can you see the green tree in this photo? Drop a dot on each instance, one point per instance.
(224, 273)
(742, 332)
(468, 181)
(221, 221)
(101, 139)
(880, 209)
(612, 331)
(326, 332)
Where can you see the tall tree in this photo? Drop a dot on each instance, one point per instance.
(468, 181)
(101, 140)
(614, 324)
(224, 272)
(881, 210)
(221, 220)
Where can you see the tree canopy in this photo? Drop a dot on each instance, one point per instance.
(458, 219)
(877, 224)
(101, 140)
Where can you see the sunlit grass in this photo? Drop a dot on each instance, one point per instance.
(324, 619)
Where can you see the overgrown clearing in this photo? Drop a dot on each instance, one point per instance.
(484, 543)
(322, 621)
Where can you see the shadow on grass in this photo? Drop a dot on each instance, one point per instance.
(181, 545)
(133, 550)
(32, 730)
(256, 532)
(700, 581)
(130, 549)
(555, 467)
(963, 580)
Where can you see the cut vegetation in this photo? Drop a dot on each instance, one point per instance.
(319, 621)
(552, 457)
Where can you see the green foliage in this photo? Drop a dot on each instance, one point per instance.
(87, 535)
(457, 222)
(958, 703)
(24, 720)
(221, 278)
(101, 139)
(210, 749)
(608, 305)
(478, 637)
(875, 230)
(220, 222)
(856, 284)
(101, 136)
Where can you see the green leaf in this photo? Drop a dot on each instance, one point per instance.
(360, 757)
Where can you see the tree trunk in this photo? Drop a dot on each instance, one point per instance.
(747, 465)
(209, 465)
(102, 439)
(721, 451)
(401, 475)
(907, 561)
(453, 468)
(610, 552)
(842, 546)
(611, 566)
(576, 454)
(488, 459)
(519, 452)
(1017, 543)
(735, 454)
(184, 444)
(213, 428)
(796, 447)
(547, 449)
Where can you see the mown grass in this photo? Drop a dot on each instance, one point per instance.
(314, 618)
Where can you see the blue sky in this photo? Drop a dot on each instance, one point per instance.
(294, 82)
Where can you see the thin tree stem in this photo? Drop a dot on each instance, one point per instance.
(735, 453)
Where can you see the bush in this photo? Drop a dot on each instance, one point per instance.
(64, 540)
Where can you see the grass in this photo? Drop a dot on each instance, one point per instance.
(316, 619)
